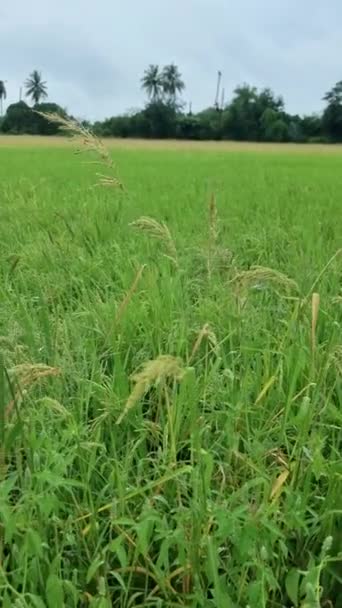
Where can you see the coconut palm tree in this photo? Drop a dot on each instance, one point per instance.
(172, 82)
(152, 83)
(36, 87)
(3, 95)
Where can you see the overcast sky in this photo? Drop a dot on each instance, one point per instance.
(93, 52)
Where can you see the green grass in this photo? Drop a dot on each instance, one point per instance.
(221, 486)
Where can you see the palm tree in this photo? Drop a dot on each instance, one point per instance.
(3, 95)
(36, 87)
(172, 82)
(152, 83)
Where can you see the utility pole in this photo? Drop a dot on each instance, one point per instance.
(216, 103)
(3, 95)
(222, 99)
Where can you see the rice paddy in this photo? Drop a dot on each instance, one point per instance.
(170, 376)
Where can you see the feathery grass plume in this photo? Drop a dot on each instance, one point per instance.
(279, 457)
(157, 230)
(128, 296)
(218, 257)
(24, 376)
(259, 276)
(154, 372)
(314, 318)
(213, 233)
(278, 485)
(87, 141)
(224, 258)
(204, 333)
(337, 300)
(335, 359)
(213, 223)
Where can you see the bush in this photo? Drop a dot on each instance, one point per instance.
(18, 119)
(41, 125)
(21, 119)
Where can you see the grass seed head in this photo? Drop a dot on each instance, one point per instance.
(157, 230)
(154, 372)
(27, 373)
(259, 276)
(213, 220)
(88, 142)
(204, 334)
(24, 376)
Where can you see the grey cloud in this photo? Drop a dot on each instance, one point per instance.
(93, 54)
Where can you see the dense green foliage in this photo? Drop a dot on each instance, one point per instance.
(251, 115)
(332, 117)
(20, 118)
(220, 487)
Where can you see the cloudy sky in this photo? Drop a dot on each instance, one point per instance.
(93, 52)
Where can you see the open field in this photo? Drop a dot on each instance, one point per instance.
(170, 394)
(169, 144)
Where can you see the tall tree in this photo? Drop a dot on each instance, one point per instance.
(18, 119)
(335, 94)
(244, 119)
(172, 82)
(152, 82)
(3, 95)
(332, 115)
(36, 87)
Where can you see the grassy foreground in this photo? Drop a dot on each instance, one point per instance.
(170, 387)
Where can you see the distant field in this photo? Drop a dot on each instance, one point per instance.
(170, 376)
(23, 140)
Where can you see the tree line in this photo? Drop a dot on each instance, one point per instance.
(20, 117)
(251, 114)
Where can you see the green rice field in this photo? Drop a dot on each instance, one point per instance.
(170, 376)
